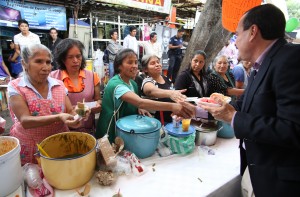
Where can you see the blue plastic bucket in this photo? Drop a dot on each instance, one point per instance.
(140, 134)
(226, 131)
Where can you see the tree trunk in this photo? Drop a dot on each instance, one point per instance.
(208, 35)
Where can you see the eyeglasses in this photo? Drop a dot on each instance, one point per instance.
(71, 57)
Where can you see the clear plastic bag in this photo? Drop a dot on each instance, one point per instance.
(32, 175)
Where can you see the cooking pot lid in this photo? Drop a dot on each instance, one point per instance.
(177, 131)
(138, 124)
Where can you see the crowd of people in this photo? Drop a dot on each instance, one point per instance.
(264, 99)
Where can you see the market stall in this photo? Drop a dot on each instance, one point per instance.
(197, 174)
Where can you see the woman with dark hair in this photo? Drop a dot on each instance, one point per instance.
(121, 99)
(81, 84)
(15, 64)
(194, 78)
(158, 87)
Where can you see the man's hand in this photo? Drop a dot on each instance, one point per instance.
(224, 113)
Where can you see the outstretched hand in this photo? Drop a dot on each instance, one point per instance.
(185, 110)
(177, 96)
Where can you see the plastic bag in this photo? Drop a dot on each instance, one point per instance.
(180, 145)
(2, 125)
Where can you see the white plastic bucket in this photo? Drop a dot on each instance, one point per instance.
(10, 167)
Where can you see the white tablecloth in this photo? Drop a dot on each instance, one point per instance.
(179, 176)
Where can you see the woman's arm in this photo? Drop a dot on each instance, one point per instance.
(97, 98)
(235, 91)
(178, 109)
(5, 68)
(21, 111)
(149, 89)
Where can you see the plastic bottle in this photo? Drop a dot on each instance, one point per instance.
(172, 87)
(32, 175)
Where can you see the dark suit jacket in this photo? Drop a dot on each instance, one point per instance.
(269, 123)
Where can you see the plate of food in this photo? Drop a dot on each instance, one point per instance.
(212, 100)
(208, 102)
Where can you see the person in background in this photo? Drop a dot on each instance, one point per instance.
(194, 78)
(83, 85)
(25, 38)
(241, 74)
(15, 64)
(130, 41)
(175, 55)
(38, 104)
(113, 48)
(267, 119)
(121, 99)
(221, 80)
(166, 34)
(158, 87)
(151, 47)
(4, 72)
(53, 42)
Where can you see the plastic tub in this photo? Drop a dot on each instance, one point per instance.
(226, 131)
(10, 166)
(140, 134)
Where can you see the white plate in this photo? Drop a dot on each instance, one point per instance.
(90, 104)
(208, 104)
(189, 99)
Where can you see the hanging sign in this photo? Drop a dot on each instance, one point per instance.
(39, 16)
(162, 6)
(233, 10)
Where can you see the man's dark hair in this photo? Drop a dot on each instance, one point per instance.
(52, 28)
(22, 21)
(112, 31)
(269, 19)
(152, 34)
(131, 28)
(180, 30)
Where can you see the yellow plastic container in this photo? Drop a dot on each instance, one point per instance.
(72, 159)
(89, 65)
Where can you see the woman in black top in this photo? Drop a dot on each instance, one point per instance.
(158, 87)
(221, 80)
(194, 78)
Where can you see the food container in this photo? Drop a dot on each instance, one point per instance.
(10, 165)
(226, 130)
(72, 159)
(140, 134)
(206, 134)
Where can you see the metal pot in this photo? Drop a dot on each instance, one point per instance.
(72, 159)
(206, 134)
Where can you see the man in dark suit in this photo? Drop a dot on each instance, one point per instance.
(267, 118)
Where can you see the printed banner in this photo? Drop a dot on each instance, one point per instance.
(163, 36)
(39, 16)
(162, 6)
